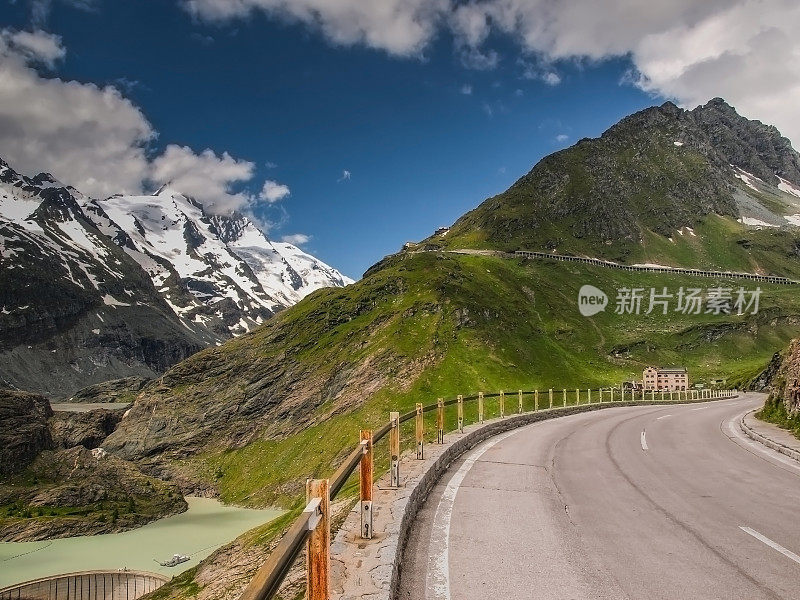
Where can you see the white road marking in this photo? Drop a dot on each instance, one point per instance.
(701, 408)
(644, 441)
(438, 578)
(733, 427)
(663, 417)
(771, 544)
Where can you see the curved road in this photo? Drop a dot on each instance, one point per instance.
(650, 502)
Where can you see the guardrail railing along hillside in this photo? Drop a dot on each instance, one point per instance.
(312, 528)
(656, 269)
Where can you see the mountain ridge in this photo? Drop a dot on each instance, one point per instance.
(105, 276)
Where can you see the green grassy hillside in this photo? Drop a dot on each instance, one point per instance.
(257, 415)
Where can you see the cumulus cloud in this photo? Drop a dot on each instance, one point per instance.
(273, 191)
(206, 177)
(400, 27)
(466, 89)
(296, 239)
(88, 136)
(562, 137)
(34, 46)
(92, 137)
(345, 176)
(747, 51)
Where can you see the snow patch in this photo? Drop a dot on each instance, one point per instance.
(793, 219)
(788, 187)
(679, 144)
(748, 178)
(755, 222)
(109, 300)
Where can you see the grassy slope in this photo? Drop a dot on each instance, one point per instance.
(491, 324)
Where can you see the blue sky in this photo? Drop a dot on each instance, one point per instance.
(424, 135)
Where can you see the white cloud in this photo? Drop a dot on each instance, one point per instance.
(345, 176)
(273, 191)
(93, 138)
(34, 46)
(85, 135)
(296, 239)
(562, 137)
(466, 89)
(400, 27)
(747, 51)
(206, 177)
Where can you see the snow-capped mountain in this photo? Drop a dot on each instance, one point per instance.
(225, 263)
(96, 289)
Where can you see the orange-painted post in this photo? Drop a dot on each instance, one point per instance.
(318, 556)
(519, 397)
(502, 404)
(366, 478)
(394, 449)
(440, 421)
(460, 413)
(420, 431)
(480, 407)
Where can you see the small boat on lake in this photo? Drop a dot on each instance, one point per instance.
(174, 561)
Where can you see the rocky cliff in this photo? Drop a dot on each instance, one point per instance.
(24, 431)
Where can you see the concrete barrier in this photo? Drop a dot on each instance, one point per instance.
(87, 585)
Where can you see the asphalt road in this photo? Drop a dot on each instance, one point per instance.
(651, 502)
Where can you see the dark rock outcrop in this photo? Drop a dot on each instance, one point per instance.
(82, 492)
(23, 429)
(116, 390)
(87, 429)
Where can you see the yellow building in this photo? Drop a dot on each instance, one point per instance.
(665, 378)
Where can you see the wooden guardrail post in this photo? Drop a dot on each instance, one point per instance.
(480, 407)
(365, 481)
(502, 405)
(519, 397)
(551, 397)
(440, 421)
(318, 556)
(420, 432)
(536, 400)
(460, 413)
(394, 449)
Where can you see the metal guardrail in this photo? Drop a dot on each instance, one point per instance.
(312, 527)
(648, 269)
